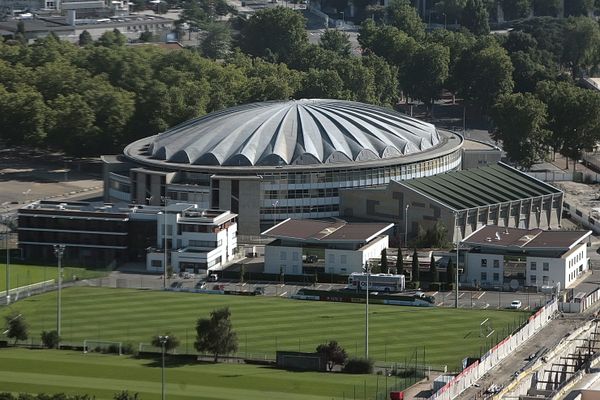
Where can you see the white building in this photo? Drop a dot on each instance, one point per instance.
(196, 239)
(511, 257)
(334, 246)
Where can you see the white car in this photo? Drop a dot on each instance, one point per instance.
(516, 304)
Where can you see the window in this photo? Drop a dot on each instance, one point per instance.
(484, 263)
(330, 259)
(295, 256)
(483, 276)
(546, 266)
(545, 280)
(156, 263)
(343, 259)
(294, 269)
(283, 255)
(533, 279)
(533, 266)
(496, 263)
(496, 277)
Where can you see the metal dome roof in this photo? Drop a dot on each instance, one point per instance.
(297, 132)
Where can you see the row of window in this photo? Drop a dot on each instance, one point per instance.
(300, 209)
(575, 260)
(533, 266)
(484, 263)
(533, 279)
(495, 276)
(301, 193)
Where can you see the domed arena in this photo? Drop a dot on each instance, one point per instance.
(275, 160)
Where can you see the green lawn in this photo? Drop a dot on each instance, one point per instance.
(53, 371)
(264, 324)
(21, 275)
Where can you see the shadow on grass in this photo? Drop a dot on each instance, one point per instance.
(171, 361)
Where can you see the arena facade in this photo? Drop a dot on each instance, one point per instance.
(275, 160)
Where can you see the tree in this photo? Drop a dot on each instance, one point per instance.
(427, 71)
(475, 17)
(321, 84)
(581, 45)
(170, 344)
(415, 267)
(215, 335)
(402, 15)
(450, 272)
(520, 121)
(242, 273)
(515, 9)
(85, 38)
(50, 339)
(336, 41)
(217, 42)
(484, 73)
(572, 121)
(276, 34)
(384, 262)
(112, 38)
(451, 8)
(435, 275)
(399, 262)
(549, 8)
(17, 327)
(24, 116)
(146, 36)
(125, 395)
(578, 7)
(334, 354)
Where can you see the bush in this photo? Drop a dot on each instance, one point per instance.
(358, 366)
(413, 285)
(128, 348)
(113, 349)
(50, 339)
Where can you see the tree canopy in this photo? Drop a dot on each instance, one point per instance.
(215, 335)
(334, 353)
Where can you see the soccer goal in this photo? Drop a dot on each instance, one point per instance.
(102, 346)
(148, 348)
(485, 328)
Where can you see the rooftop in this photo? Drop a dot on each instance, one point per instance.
(327, 231)
(527, 239)
(480, 187)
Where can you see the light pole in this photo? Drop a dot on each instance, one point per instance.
(457, 246)
(343, 18)
(274, 204)
(368, 271)
(6, 233)
(444, 14)
(406, 225)
(163, 342)
(164, 199)
(59, 250)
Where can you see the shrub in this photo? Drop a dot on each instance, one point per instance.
(358, 366)
(113, 349)
(50, 339)
(128, 348)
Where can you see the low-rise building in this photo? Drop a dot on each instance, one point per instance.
(104, 234)
(334, 246)
(512, 257)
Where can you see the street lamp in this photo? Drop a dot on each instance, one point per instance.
(368, 271)
(163, 342)
(457, 247)
(59, 250)
(444, 14)
(343, 18)
(274, 204)
(6, 234)
(406, 225)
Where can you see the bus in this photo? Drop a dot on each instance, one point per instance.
(377, 282)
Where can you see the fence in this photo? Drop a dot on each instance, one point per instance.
(490, 359)
(579, 305)
(27, 290)
(552, 176)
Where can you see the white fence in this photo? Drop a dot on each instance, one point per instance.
(552, 176)
(490, 359)
(14, 293)
(582, 304)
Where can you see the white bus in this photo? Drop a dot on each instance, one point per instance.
(378, 282)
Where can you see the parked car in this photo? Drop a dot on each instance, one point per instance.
(516, 304)
(213, 277)
(200, 285)
(174, 284)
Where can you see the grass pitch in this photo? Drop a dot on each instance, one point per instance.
(267, 324)
(53, 371)
(22, 275)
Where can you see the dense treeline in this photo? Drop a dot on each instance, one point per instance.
(96, 97)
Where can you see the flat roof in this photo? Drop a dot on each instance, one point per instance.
(335, 230)
(470, 144)
(527, 239)
(479, 187)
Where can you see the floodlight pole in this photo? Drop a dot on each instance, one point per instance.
(368, 271)
(7, 267)
(165, 252)
(163, 342)
(406, 225)
(457, 247)
(59, 250)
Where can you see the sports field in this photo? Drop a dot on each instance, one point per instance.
(267, 324)
(22, 275)
(53, 371)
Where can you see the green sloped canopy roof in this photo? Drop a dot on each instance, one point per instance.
(480, 186)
